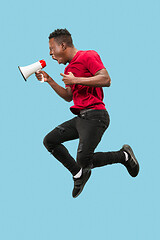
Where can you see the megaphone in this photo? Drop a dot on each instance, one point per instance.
(32, 68)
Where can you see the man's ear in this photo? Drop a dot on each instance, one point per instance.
(64, 46)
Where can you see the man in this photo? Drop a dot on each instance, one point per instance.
(84, 77)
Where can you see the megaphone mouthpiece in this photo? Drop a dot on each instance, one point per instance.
(43, 63)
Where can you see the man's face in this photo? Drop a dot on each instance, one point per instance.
(57, 51)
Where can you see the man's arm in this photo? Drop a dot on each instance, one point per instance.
(100, 79)
(64, 93)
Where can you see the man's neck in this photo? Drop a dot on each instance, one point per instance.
(71, 53)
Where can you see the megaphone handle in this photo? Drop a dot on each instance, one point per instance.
(42, 81)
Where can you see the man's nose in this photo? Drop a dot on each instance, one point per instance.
(52, 55)
(51, 52)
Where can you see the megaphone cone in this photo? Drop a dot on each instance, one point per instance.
(32, 68)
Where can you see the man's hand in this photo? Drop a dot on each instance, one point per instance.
(45, 75)
(69, 79)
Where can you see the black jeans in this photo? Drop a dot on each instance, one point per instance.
(89, 128)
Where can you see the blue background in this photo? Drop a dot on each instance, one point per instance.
(35, 189)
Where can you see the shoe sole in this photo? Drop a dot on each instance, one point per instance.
(87, 177)
(129, 149)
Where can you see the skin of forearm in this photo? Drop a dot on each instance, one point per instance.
(62, 92)
(95, 81)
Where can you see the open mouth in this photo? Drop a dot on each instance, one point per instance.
(59, 62)
(54, 58)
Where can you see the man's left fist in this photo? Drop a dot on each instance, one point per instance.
(69, 79)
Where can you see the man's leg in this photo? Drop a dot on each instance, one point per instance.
(91, 127)
(101, 159)
(53, 142)
(124, 156)
(90, 133)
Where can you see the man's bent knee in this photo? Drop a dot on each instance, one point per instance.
(46, 142)
(50, 141)
(84, 160)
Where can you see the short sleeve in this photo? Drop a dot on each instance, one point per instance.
(93, 62)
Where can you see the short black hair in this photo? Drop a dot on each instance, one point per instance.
(62, 35)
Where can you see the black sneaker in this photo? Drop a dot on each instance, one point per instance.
(132, 164)
(80, 182)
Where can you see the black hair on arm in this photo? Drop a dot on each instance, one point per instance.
(62, 35)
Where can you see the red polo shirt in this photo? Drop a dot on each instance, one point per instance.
(85, 64)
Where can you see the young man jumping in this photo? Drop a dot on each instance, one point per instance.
(84, 77)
